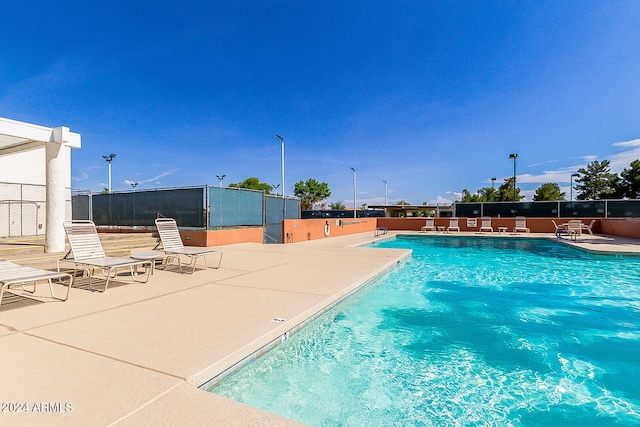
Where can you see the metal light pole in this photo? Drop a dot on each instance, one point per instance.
(354, 192)
(134, 185)
(284, 204)
(493, 189)
(571, 184)
(385, 192)
(514, 156)
(220, 178)
(109, 158)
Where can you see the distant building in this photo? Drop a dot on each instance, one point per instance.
(415, 210)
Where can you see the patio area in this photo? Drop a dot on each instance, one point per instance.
(136, 354)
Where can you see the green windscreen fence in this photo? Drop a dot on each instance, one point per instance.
(552, 209)
(141, 208)
(234, 207)
(197, 207)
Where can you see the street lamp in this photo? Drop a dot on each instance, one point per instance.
(284, 205)
(385, 192)
(493, 188)
(354, 192)
(571, 185)
(220, 178)
(134, 185)
(514, 156)
(109, 158)
(275, 188)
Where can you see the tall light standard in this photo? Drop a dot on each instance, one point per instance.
(571, 184)
(284, 204)
(493, 189)
(109, 158)
(134, 185)
(514, 156)
(220, 178)
(385, 192)
(354, 192)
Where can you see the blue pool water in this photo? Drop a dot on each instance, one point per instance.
(468, 332)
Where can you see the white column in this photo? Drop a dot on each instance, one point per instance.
(57, 178)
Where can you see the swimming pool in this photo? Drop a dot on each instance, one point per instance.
(469, 332)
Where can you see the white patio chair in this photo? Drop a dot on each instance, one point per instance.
(560, 229)
(587, 228)
(87, 254)
(574, 228)
(429, 225)
(521, 225)
(453, 224)
(14, 274)
(486, 224)
(172, 245)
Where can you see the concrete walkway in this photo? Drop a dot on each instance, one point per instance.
(136, 354)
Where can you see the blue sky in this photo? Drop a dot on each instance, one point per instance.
(430, 96)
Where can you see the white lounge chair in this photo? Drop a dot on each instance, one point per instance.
(486, 224)
(560, 229)
(521, 225)
(87, 254)
(429, 225)
(453, 224)
(172, 245)
(14, 274)
(587, 228)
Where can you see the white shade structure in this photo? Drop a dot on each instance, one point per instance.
(42, 149)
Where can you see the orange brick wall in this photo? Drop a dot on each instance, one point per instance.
(624, 227)
(297, 230)
(536, 225)
(206, 238)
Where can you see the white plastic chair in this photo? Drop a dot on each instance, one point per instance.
(87, 254)
(172, 245)
(521, 225)
(453, 224)
(429, 225)
(15, 274)
(486, 224)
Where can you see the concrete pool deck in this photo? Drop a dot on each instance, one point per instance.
(136, 354)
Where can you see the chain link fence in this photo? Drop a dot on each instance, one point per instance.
(23, 209)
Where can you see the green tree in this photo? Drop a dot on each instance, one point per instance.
(402, 203)
(505, 191)
(548, 191)
(337, 206)
(629, 185)
(486, 194)
(596, 181)
(482, 195)
(467, 197)
(429, 212)
(253, 183)
(311, 192)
